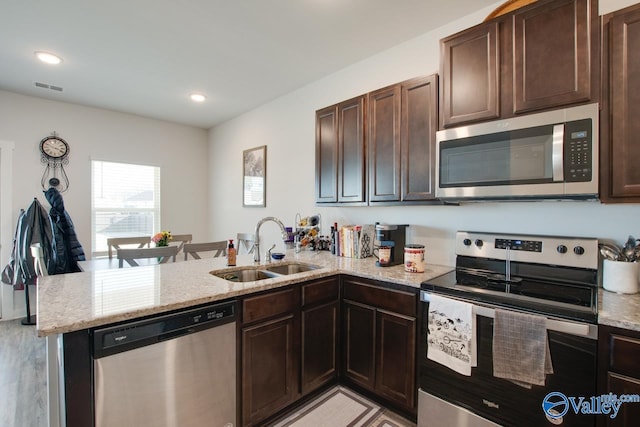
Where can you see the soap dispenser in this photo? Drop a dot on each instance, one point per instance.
(231, 254)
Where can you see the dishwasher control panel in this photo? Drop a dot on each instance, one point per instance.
(118, 338)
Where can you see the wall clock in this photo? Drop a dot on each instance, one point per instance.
(54, 148)
(54, 152)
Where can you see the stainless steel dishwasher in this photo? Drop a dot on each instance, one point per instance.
(172, 370)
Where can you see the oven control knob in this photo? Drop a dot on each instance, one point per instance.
(467, 242)
(578, 250)
(562, 249)
(479, 243)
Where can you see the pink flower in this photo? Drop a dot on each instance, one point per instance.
(162, 238)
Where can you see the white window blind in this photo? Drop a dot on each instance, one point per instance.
(125, 202)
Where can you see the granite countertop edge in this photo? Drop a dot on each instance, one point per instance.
(71, 302)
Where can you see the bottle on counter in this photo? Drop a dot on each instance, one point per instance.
(231, 254)
(332, 236)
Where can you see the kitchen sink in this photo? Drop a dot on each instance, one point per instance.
(248, 274)
(251, 274)
(291, 268)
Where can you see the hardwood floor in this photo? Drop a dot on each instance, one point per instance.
(23, 376)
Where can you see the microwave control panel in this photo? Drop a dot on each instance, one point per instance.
(578, 151)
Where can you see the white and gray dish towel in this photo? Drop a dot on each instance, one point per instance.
(520, 344)
(451, 340)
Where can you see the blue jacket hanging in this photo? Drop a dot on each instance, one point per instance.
(70, 251)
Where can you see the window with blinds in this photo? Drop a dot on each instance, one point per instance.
(125, 202)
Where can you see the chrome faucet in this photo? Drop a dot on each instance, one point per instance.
(285, 236)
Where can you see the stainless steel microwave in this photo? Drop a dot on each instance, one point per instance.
(549, 155)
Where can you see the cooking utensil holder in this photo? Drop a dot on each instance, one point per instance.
(620, 276)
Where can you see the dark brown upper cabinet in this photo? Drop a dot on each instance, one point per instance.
(402, 128)
(384, 144)
(400, 122)
(340, 152)
(539, 57)
(620, 115)
(552, 54)
(470, 63)
(327, 155)
(419, 123)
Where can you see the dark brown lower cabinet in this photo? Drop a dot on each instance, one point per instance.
(268, 365)
(289, 342)
(379, 333)
(320, 341)
(270, 353)
(619, 372)
(395, 376)
(359, 343)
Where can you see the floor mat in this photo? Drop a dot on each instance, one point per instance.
(390, 419)
(338, 407)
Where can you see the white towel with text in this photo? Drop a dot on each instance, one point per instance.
(451, 339)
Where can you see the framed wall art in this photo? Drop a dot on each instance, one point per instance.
(254, 177)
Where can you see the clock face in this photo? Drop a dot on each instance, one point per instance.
(54, 148)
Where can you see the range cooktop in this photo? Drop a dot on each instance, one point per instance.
(551, 275)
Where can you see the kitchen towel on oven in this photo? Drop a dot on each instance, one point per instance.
(451, 339)
(521, 348)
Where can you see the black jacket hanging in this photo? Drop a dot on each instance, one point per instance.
(34, 226)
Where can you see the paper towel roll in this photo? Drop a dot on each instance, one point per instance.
(620, 276)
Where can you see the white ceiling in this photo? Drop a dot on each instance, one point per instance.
(146, 56)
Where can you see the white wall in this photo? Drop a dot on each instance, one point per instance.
(286, 126)
(180, 151)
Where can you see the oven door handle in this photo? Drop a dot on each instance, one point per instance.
(586, 330)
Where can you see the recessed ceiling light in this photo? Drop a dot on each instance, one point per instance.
(198, 97)
(49, 58)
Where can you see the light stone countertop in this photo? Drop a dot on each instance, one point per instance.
(619, 310)
(76, 301)
(71, 302)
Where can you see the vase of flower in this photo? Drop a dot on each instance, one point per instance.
(162, 238)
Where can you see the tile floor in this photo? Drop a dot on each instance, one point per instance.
(341, 407)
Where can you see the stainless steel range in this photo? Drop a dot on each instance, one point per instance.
(551, 276)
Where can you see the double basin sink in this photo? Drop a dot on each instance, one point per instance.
(251, 274)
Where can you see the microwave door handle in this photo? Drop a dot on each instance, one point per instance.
(557, 158)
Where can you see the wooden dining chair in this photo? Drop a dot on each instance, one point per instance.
(246, 241)
(162, 253)
(179, 240)
(219, 249)
(115, 243)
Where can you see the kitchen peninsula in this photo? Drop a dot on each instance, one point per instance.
(71, 305)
